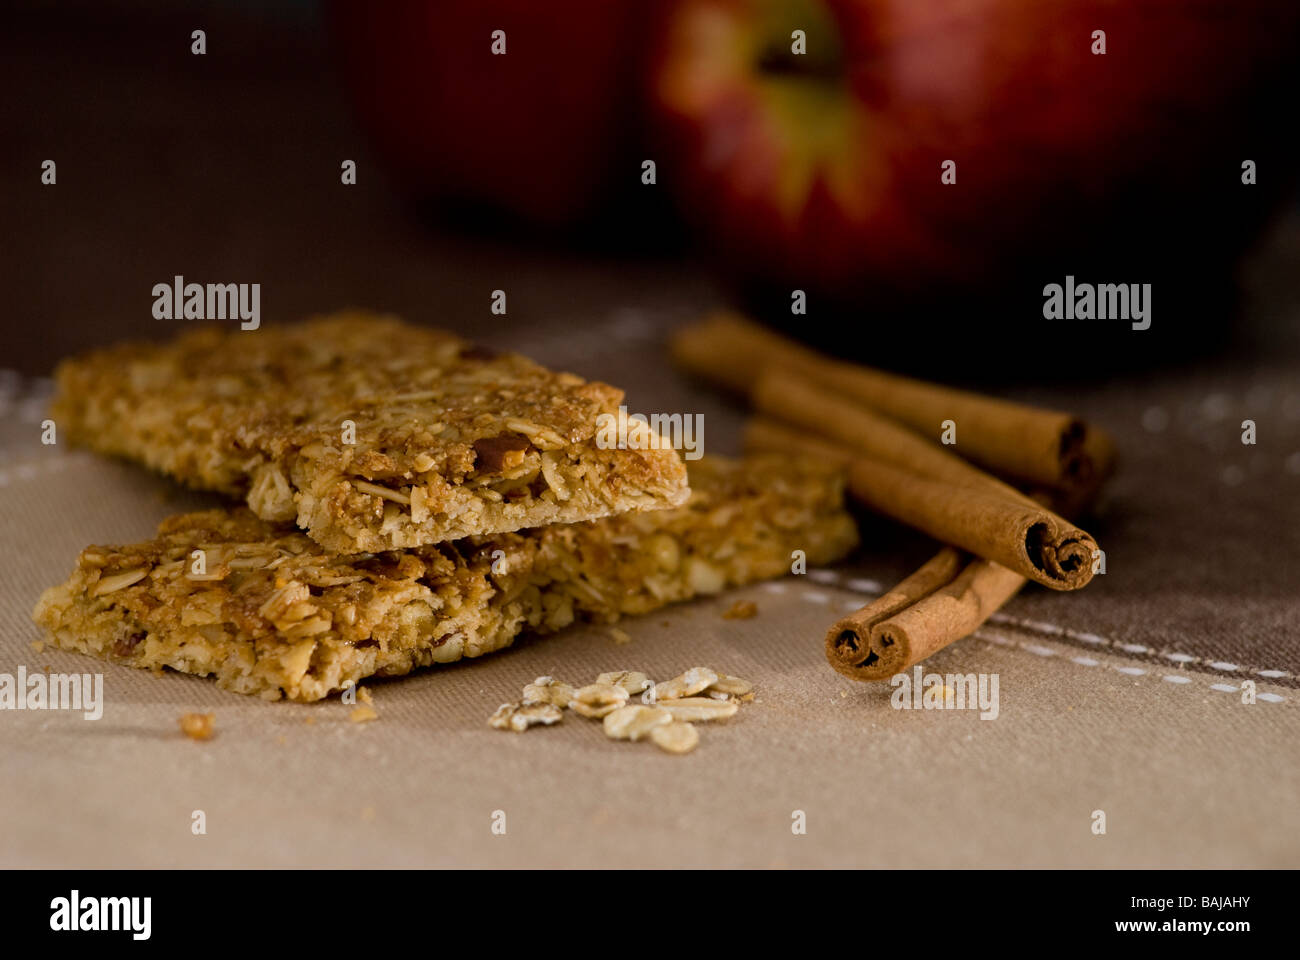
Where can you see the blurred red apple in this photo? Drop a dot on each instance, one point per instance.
(823, 169)
(541, 131)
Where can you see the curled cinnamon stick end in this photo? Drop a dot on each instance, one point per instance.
(850, 647)
(1017, 533)
(901, 474)
(895, 642)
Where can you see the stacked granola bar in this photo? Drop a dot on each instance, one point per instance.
(371, 433)
(472, 504)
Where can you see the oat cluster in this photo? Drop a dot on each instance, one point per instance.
(666, 714)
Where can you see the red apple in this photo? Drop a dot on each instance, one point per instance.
(823, 170)
(540, 131)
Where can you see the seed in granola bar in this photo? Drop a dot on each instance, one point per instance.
(198, 726)
(675, 737)
(634, 722)
(597, 699)
(700, 708)
(741, 610)
(520, 716)
(691, 682)
(548, 690)
(500, 453)
(118, 581)
(630, 680)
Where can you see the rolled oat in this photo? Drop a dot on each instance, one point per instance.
(693, 681)
(634, 722)
(518, 717)
(675, 737)
(700, 708)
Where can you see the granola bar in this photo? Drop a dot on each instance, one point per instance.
(272, 613)
(370, 433)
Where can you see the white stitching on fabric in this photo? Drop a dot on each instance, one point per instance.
(1182, 679)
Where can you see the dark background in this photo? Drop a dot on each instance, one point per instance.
(225, 168)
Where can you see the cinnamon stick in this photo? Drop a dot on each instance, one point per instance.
(886, 637)
(905, 476)
(1037, 446)
(948, 598)
(874, 643)
(1031, 540)
(848, 645)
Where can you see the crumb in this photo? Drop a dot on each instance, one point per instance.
(46, 668)
(156, 671)
(364, 695)
(741, 610)
(367, 814)
(309, 720)
(843, 694)
(363, 713)
(38, 645)
(197, 726)
(281, 740)
(620, 636)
